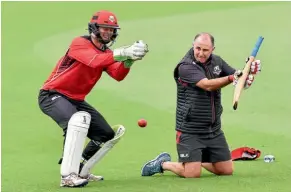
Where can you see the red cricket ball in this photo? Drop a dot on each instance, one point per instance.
(142, 123)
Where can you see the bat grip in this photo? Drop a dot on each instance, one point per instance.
(257, 46)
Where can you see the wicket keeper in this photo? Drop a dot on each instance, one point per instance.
(200, 141)
(62, 97)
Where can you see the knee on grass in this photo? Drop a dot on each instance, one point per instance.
(191, 175)
(196, 174)
(225, 171)
(192, 170)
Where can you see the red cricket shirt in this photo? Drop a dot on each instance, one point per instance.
(81, 67)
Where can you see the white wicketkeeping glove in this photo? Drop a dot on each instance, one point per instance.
(133, 52)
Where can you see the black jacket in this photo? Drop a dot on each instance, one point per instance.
(198, 111)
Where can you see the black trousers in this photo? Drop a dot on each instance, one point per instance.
(60, 108)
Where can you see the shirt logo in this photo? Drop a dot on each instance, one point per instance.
(217, 70)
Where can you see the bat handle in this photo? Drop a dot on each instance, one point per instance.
(257, 46)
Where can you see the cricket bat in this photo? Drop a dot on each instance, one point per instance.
(241, 81)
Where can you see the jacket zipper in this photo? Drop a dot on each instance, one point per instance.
(212, 99)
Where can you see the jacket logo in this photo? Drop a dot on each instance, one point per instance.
(217, 70)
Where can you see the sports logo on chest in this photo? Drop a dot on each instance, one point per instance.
(216, 70)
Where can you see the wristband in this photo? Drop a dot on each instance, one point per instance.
(230, 78)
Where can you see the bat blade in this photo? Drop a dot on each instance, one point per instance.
(241, 81)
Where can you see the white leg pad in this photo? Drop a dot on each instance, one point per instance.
(75, 139)
(119, 132)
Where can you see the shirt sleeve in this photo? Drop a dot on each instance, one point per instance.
(226, 69)
(117, 71)
(191, 73)
(82, 51)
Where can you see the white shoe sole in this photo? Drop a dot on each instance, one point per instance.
(75, 186)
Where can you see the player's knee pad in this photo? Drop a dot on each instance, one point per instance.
(75, 139)
(80, 120)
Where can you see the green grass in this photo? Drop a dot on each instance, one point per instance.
(33, 38)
